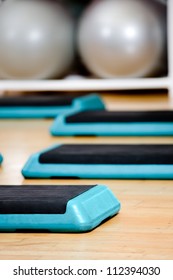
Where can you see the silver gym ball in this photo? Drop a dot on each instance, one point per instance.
(121, 38)
(36, 39)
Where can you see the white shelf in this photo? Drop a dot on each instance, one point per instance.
(77, 83)
(85, 84)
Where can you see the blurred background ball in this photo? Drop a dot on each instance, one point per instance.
(36, 39)
(122, 38)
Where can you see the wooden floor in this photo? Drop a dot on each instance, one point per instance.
(142, 230)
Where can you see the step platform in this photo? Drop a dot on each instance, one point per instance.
(114, 123)
(45, 106)
(52, 208)
(1, 158)
(102, 161)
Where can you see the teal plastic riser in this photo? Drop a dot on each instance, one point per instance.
(83, 213)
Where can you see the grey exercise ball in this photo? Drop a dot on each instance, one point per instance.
(121, 38)
(36, 39)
